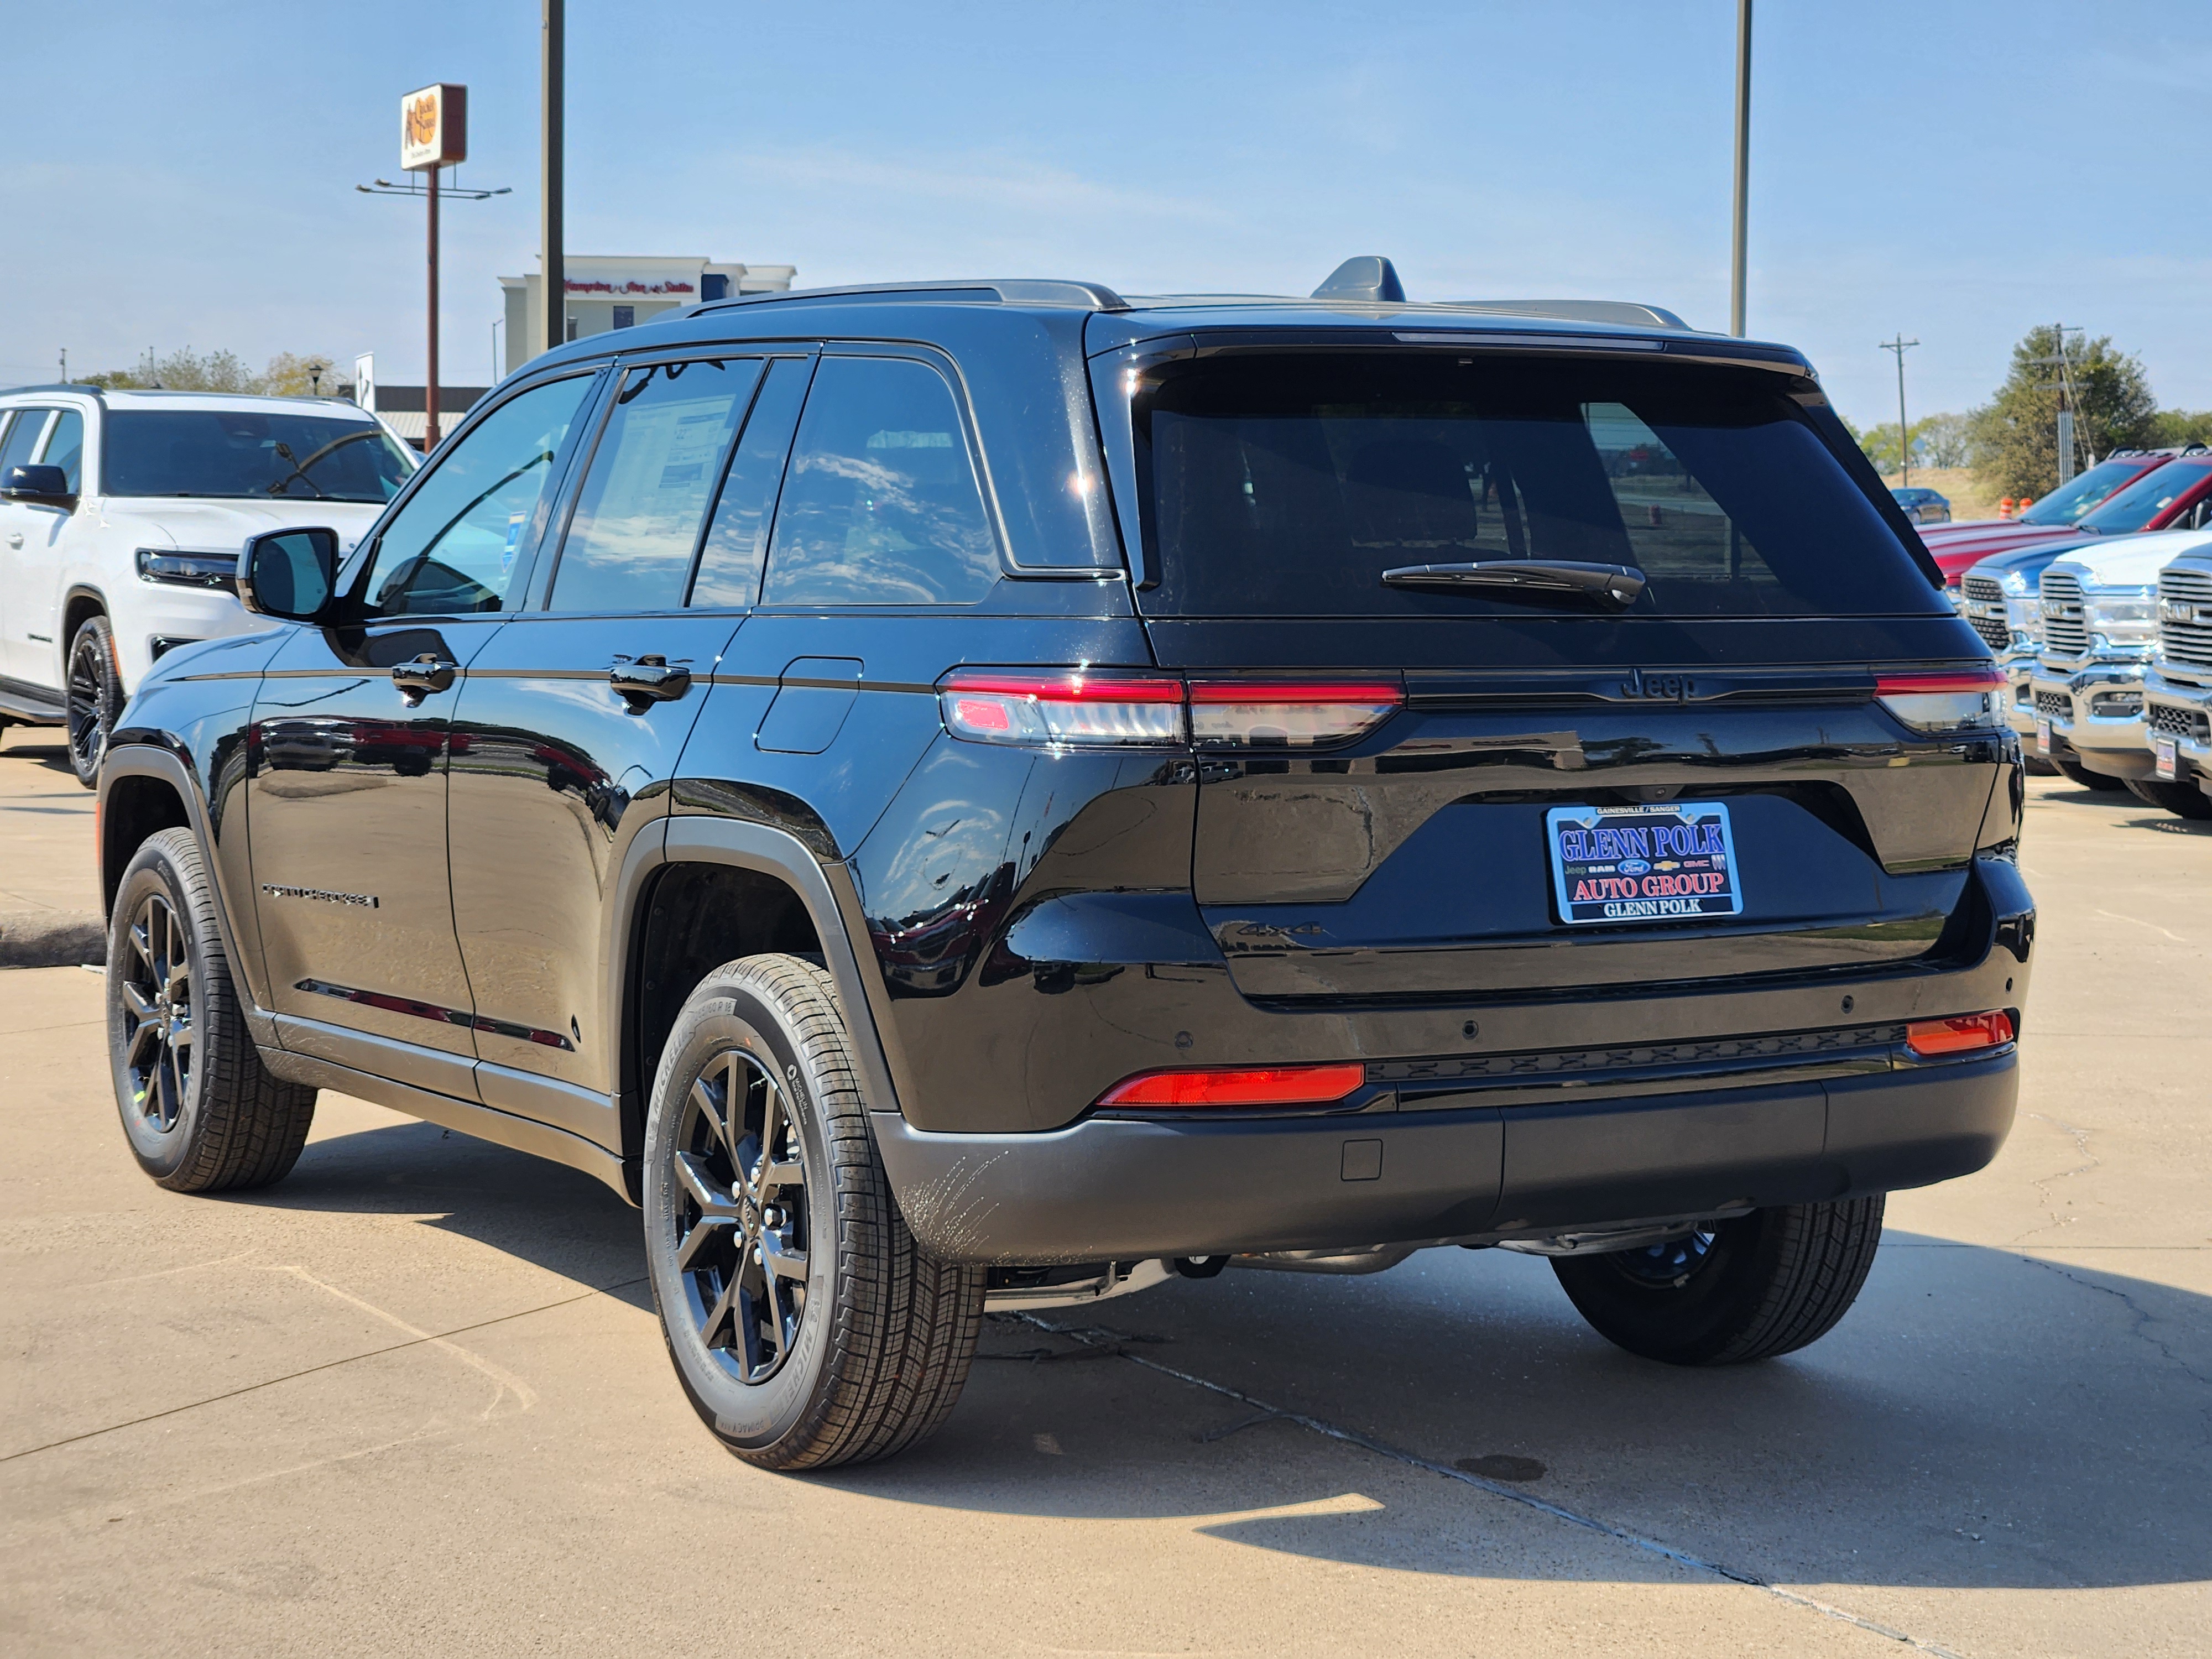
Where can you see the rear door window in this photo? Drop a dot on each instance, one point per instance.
(644, 500)
(737, 541)
(21, 441)
(881, 505)
(1288, 485)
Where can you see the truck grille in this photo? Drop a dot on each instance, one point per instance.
(1996, 630)
(2065, 633)
(2169, 721)
(2054, 706)
(2185, 617)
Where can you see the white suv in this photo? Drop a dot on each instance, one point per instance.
(122, 515)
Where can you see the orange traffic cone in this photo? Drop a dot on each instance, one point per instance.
(2026, 501)
(2004, 507)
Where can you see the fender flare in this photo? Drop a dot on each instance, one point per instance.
(706, 839)
(139, 758)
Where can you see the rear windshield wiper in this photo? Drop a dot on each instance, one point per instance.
(1616, 585)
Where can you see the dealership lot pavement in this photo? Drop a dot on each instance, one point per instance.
(413, 1398)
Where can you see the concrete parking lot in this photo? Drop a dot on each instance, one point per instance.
(413, 1398)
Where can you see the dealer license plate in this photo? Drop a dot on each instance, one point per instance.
(1675, 862)
(2165, 767)
(2043, 737)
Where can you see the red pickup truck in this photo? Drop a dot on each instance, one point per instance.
(2131, 489)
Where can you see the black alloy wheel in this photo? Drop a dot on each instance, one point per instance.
(1749, 1287)
(806, 1326)
(93, 698)
(741, 1252)
(154, 982)
(201, 1111)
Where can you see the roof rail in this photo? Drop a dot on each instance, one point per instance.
(1018, 291)
(78, 386)
(1578, 311)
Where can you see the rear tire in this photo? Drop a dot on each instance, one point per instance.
(806, 1326)
(201, 1112)
(2100, 781)
(93, 698)
(1751, 1288)
(2183, 799)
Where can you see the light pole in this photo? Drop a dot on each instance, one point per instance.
(1742, 165)
(552, 74)
(1900, 345)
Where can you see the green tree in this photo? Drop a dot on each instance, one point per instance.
(2183, 426)
(184, 370)
(2015, 436)
(1937, 440)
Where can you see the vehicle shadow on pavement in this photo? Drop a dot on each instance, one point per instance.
(1982, 1419)
(54, 756)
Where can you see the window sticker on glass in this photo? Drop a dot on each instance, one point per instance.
(1675, 862)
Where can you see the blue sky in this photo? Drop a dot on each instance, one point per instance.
(1959, 172)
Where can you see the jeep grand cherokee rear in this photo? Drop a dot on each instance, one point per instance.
(993, 795)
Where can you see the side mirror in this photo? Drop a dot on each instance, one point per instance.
(41, 486)
(290, 575)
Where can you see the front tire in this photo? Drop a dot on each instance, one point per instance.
(805, 1325)
(1749, 1288)
(2183, 799)
(2102, 782)
(201, 1112)
(94, 697)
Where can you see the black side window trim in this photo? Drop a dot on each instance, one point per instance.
(353, 575)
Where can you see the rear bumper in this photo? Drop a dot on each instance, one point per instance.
(1123, 1189)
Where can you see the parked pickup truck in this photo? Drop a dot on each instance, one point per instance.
(2177, 687)
(2100, 606)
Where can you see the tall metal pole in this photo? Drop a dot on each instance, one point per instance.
(1742, 163)
(553, 76)
(430, 390)
(1900, 345)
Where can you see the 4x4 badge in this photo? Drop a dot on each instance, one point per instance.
(1658, 688)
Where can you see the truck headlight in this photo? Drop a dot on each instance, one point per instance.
(2122, 618)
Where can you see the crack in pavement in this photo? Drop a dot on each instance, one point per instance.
(1099, 1335)
(2043, 1183)
(439, 1338)
(2144, 1319)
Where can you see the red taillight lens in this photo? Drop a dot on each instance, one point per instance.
(1930, 1037)
(1953, 702)
(1273, 1086)
(1067, 708)
(1287, 715)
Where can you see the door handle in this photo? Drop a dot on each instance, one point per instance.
(426, 673)
(648, 679)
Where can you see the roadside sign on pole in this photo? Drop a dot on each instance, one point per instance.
(364, 381)
(433, 127)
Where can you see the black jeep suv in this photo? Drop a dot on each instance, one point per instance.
(989, 795)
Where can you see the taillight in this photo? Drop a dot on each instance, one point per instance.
(1953, 701)
(1070, 708)
(1286, 714)
(1270, 1086)
(1930, 1037)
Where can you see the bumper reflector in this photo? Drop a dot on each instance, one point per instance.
(1930, 1037)
(1273, 1085)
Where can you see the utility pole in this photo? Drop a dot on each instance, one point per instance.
(430, 380)
(1742, 165)
(64, 365)
(1900, 345)
(2068, 400)
(551, 93)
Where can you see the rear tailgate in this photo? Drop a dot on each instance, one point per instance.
(1728, 718)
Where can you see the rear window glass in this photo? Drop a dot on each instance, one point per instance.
(1287, 486)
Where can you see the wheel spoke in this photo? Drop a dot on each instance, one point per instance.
(718, 1315)
(146, 1038)
(757, 1178)
(142, 940)
(140, 1004)
(708, 1230)
(711, 1109)
(692, 1172)
(180, 1033)
(779, 1261)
